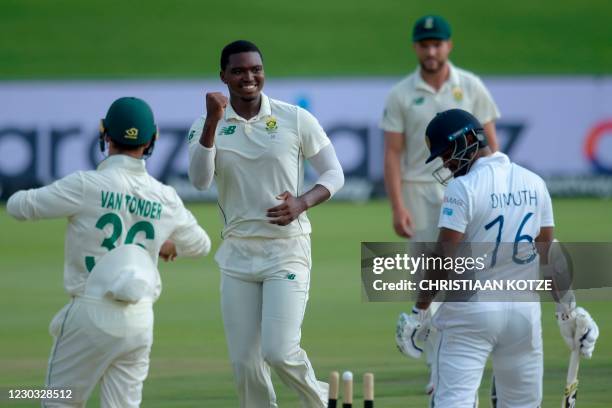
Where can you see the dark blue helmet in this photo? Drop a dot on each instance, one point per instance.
(448, 132)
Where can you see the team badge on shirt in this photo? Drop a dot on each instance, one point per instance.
(419, 100)
(457, 94)
(271, 125)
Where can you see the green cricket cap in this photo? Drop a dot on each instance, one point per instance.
(129, 121)
(431, 27)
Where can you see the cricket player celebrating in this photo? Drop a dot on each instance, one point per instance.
(119, 220)
(508, 331)
(255, 148)
(436, 85)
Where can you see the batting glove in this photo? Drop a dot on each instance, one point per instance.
(579, 330)
(587, 332)
(411, 332)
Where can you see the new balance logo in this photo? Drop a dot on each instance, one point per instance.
(229, 130)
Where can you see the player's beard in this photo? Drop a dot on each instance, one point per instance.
(432, 68)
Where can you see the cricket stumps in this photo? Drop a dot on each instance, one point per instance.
(347, 390)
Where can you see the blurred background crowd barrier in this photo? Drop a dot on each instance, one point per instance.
(559, 127)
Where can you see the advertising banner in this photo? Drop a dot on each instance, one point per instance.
(559, 127)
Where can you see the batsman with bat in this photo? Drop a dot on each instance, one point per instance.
(509, 332)
(436, 85)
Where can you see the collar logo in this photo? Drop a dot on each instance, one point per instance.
(271, 125)
(228, 130)
(457, 94)
(131, 133)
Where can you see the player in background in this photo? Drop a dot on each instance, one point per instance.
(254, 147)
(119, 220)
(435, 85)
(509, 332)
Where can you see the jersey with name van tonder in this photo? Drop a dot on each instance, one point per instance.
(258, 159)
(119, 203)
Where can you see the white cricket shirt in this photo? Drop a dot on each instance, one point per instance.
(117, 203)
(255, 161)
(501, 206)
(412, 104)
(495, 187)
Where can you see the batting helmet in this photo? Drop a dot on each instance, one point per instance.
(449, 132)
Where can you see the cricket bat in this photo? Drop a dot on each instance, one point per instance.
(571, 385)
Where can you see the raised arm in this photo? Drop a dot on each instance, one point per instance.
(202, 150)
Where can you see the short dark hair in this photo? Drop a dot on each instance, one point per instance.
(237, 47)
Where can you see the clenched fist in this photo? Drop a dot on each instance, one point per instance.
(215, 105)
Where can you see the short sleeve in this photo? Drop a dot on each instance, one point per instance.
(547, 210)
(392, 120)
(485, 108)
(312, 136)
(455, 212)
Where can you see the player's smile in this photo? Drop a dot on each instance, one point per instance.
(244, 75)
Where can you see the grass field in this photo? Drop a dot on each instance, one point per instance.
(158, 38)
(189, 365)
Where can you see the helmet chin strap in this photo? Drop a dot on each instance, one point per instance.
(464, 156)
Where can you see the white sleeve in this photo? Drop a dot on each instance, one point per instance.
(63, 198)
(190, 239)
(201, 159)
(328, 167)
(547, 210)
(485, 108)
(312, 136)
(455, 213)
(392, 120)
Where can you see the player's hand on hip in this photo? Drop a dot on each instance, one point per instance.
(579, 331)
(216, 103)
(168, 251)
(411, 332)
(287, 211)
(402, 223)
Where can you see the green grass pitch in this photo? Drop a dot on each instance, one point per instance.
(189, 364)
(71, 39)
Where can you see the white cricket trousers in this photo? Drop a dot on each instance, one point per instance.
(102, 341)
(264, 291)
(423, 200)
(509, 332)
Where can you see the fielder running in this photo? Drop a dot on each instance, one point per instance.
(255, 147)
(509, 332)
(435, 85)
(119, 220)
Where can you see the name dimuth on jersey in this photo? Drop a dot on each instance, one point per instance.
(516, 199)
(131, 204)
